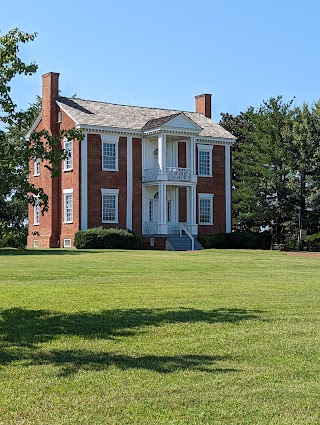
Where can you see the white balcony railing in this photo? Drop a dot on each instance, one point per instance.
(171, 173)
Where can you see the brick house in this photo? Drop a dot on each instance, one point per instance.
(154, 171)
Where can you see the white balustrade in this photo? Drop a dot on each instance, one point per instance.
(173, 174)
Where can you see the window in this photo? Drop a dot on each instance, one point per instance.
(36, 168)
(36, 213)
(66, 243)
(205, 160)
(68, 162)
(110, 156)
(110, 205)
(68, 205)
(168, 211)
(205, 208)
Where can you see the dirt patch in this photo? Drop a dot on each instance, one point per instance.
(304, 254)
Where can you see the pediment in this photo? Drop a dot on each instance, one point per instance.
(173, 122)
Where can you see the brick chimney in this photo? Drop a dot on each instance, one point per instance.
(50, 92)
(203, 104)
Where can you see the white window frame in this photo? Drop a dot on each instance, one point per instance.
(114, 193)
(36, 213)
(209, 149)
(115, 143)
(36, 167)
(209, 197)
(68, 162)
(67, 243)
(67, 193)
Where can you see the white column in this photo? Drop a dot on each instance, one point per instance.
(162, 226)
(129, 182)
(162, 152)
(176, 195)
(192, 207)
(193, 155)
(84, 183)
(188, 193)
(227, 156)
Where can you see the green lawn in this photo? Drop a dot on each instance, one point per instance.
(120, 337)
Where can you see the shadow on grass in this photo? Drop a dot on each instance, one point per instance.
(70, 362)
(21, 332)
(51, 251)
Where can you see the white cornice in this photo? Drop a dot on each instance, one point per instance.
(170, 131)
(215, 140)
(112, 130)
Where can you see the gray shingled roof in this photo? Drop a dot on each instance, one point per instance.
(89, 112)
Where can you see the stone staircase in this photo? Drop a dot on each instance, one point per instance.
(182, 243)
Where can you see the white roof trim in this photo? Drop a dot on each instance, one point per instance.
(195, 126)
(34, 125)
(112, 130)
(216, 140)
(168, 130)
(59, 104)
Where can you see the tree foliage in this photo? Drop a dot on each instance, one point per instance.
(15, 150)
(276, 168)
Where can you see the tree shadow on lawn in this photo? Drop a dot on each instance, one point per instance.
(51, 251)
(71, 361)
(22, 330)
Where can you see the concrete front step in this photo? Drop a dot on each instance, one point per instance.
(183, 243)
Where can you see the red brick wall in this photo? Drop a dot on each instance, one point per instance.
(215, 185)
(70, 180)
(99, 179)
(203, 104)
(159, 243)
(51, 229)
(182, 204)
(182, 156)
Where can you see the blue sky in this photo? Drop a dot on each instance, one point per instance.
(162, 54)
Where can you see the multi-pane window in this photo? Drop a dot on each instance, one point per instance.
(36, 169)
(205, 208)
(36, 212)
(68, 205)
(110, 156)
(109, 205)
(68, 162)
(204, 160)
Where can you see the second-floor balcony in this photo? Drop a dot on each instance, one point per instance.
(170, 174)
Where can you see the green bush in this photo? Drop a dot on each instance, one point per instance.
(103, 238)
(14, 237)
(237, 240)
(214, 241)
(313, 242)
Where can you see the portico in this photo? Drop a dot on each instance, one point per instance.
(163, 175)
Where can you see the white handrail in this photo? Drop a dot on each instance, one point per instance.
(182, 228)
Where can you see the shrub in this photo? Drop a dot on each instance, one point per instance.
(103, 238)
(313, 242)
(214, 241)
(14, 237)
(237, 240)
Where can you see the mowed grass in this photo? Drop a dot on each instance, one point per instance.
(122, 337)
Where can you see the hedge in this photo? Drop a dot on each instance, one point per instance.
(103, 238)
(237, 240)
